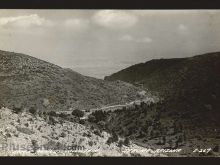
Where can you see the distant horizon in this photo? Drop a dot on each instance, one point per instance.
(88, 70)
(98, 43)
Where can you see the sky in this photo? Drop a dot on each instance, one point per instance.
(98, 43)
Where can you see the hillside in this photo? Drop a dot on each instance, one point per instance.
(27, 134)
(174, 76)
(191, 99)
(150, 125)
(27, 82)
(190, 84)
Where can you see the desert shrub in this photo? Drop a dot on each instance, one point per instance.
(97, 132)
(114, 137)
(120, 143)
(24, 130)
(141, 134)
(216, 148)
(90, 143)
(30, 119)
(91, 118)
(39, 128)
(1, 105)
(81, 121)
(101, 124)
(126, 141)
(99, 115)
(52, 120)
(109, 141)
(63, 115)
(63, 135)
(33, 110)
(17, 110)
(135, 154)
(61, 101)
(52, 113)
(34, 145)
(8, 135)
(78, 113)
(92, 127)
(40, 113)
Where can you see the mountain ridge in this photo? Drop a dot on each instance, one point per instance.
(189, 87)
(26, 81)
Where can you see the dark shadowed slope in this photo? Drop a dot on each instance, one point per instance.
(186, 78)
(190, 88)
(26, 81)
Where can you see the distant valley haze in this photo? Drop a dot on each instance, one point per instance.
(98, 43)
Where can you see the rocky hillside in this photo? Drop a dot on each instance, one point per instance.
(41, 134)
(29, 82)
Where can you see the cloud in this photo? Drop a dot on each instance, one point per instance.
(182, 27)
(126, 38)
(146, 40)
(115, 19)
(24, 21)
(76, 24)
(129, 38)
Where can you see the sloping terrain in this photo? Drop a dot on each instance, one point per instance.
(26, 134)
(190, 88)
(29, 82)
(150, 125)
(169, 77)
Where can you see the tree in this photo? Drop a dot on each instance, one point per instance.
(78, 113)
(99, 115)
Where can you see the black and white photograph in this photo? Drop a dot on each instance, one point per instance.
(109, 83)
